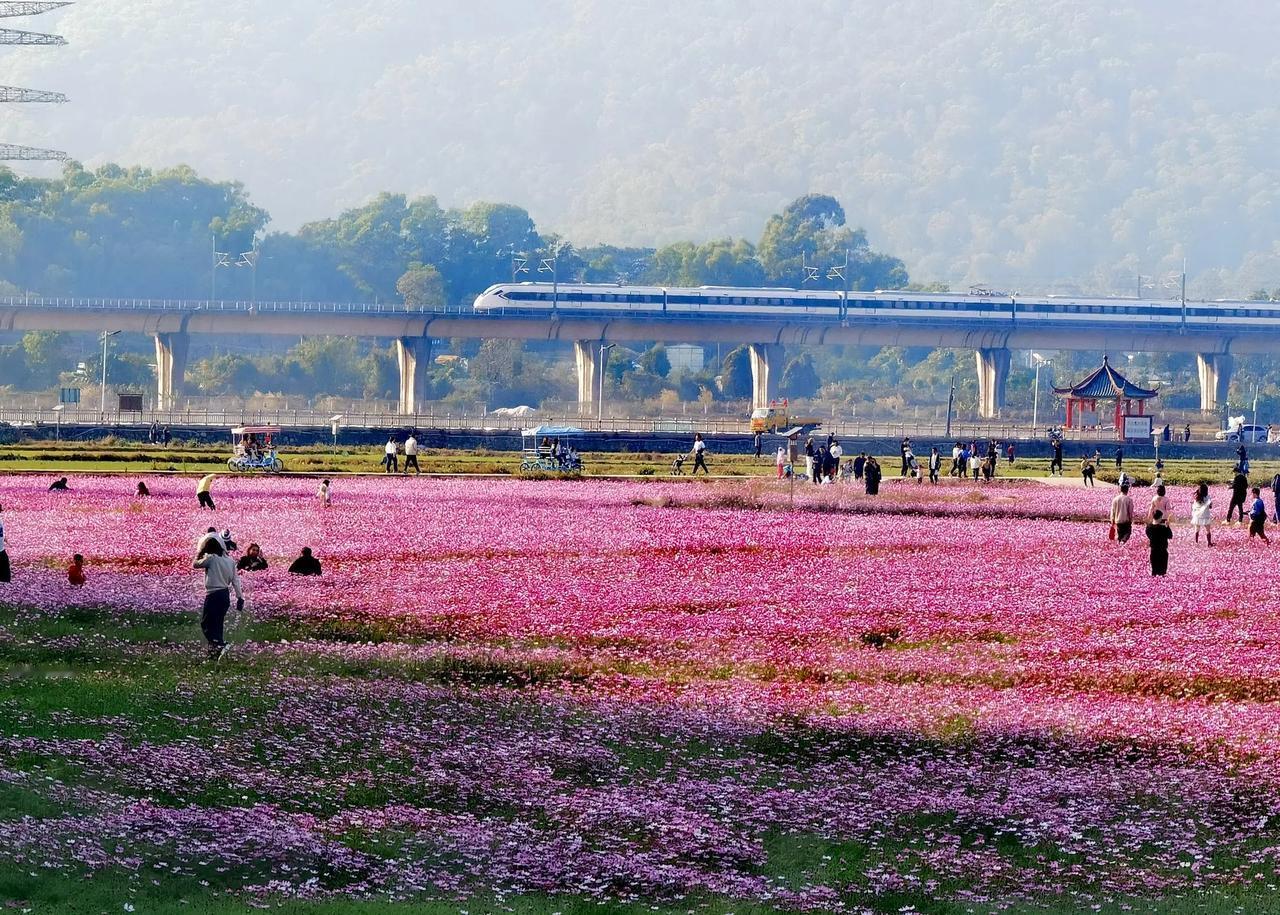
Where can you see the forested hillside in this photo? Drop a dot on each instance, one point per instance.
(1030, 145)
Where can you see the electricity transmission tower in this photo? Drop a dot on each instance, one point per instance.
(10, 152)
(13, 36)
(14, 94)
(10, 8)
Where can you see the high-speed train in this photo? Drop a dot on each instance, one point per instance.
(788, 304)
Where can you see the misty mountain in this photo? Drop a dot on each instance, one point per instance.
(1015, 143)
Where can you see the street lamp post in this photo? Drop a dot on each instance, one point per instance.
(1035, 402)
(604, 349)
(102, 404)
(333, 423)
(57, 412)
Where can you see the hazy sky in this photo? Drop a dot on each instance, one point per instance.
(1006, 142)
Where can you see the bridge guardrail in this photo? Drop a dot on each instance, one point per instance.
(923, 432)
(222, 306)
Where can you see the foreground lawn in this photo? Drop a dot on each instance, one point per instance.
(135, 714)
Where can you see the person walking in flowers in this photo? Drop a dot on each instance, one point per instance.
(5, 571)
(203, 495)
(1161, 503)
(1122, 515)
(1202, 514)
(1158, 536)
(220, 578)
(1258, 517)
(324, 494)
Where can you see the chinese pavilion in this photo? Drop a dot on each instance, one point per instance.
(1104, 383)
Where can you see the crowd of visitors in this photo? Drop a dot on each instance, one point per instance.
(1161, 512)
(215, 557)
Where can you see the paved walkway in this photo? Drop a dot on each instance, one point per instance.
(1072, 481)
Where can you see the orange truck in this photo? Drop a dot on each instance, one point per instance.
(778, 418)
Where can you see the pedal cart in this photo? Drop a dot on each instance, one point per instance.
(255, 449)
(550, 449)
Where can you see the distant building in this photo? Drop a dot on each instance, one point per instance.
(685, 358)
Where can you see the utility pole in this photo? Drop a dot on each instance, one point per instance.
(951, 402)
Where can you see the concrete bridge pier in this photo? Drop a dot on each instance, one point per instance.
(766, 372)
(586, 354)
(413, 355)
(1215, 377)
(993, 372)
(171, 365)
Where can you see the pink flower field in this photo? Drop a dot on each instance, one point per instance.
(653, 691)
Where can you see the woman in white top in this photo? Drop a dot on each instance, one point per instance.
(1201, 514)
(219, 579)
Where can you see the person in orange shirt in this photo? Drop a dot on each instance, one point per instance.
(75, 571)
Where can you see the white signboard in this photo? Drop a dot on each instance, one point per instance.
(1137, 427)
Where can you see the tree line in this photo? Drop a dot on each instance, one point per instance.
(170, 233)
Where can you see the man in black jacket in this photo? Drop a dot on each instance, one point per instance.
(1239, 492)
(306, 564)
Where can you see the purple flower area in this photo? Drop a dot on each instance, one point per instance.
(644, 692)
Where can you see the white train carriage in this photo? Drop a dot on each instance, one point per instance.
(979, 305)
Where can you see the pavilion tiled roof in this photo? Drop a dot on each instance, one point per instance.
(1106, 382)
